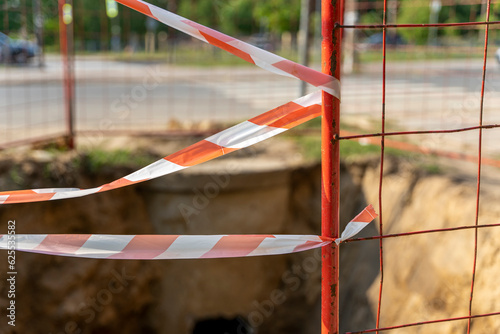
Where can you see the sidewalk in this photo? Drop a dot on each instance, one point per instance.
(97, 68)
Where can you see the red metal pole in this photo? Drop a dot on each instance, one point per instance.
(65, 40)
(331, 13)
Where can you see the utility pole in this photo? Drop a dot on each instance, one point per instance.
(435, 7)
(38, 24)
(304, 39)
(66, 46)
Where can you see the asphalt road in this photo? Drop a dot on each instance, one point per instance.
(116, 95)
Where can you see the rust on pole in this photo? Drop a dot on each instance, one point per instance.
(66, 47)
(331, 16)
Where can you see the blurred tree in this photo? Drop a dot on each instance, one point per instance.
(11, 15)
(278, 16)
(234, 17)
(494, 16)
(206, 12)
(237, 18)
(369, 17)
(409, 12)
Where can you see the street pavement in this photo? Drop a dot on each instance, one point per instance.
(425, 95)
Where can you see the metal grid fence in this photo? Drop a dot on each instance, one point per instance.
(443, 114)
(128, 75)
(446, 99)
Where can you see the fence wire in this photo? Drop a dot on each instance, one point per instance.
(428, 94)
(132, 74)
(433, 115)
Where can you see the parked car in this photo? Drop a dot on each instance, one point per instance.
(497, 55)
(375, 41)
(16, 51)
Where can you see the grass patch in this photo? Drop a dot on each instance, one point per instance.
(199, 55)
(95, 160)
(349, 148)
(432, 168)
(16, 176)
(311, 148)
(314, 123)
(418, 54)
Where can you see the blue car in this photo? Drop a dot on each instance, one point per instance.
(375, 41)
(16, 51)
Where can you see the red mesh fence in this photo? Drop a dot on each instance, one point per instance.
(132, 74)
(437, 95)
(419, 76)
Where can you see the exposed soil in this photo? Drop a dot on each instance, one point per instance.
(271, 189)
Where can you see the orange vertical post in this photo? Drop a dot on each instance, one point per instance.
(331, 14)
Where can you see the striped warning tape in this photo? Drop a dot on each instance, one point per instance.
(357, 224)
(157, 247)
(239, 136)
(245, 51)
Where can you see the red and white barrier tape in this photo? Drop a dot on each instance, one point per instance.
(245, 51)
(157, 247)
(358, 223)
(239, 136)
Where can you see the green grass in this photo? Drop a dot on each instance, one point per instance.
(432, 168)
(199, 55)
(416, 54)
(311, 148)
(16, 176)
(97, 159)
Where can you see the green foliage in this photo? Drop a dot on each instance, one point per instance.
(51, 31)
(244, 17)
(409, 13)
(278, 16)
(368, 18)
(233, 17)
(371, 17)
(237, 19)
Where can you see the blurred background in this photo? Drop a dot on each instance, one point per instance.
(126, 90)
(99, 67)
